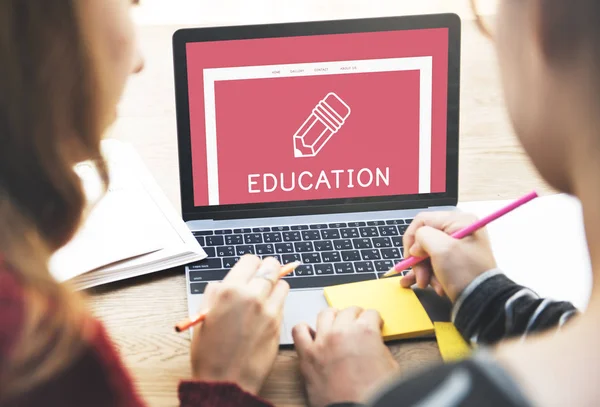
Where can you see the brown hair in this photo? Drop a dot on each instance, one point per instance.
(48, 123)
(570, 28)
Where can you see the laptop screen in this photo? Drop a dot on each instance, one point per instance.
(318, 117)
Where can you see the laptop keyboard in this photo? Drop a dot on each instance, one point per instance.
(334, 253)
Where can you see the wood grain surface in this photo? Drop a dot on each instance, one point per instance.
(140, 313)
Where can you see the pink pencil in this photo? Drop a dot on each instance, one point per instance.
(412, 260)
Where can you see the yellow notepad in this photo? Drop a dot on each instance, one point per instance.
(450, 341)
(402, 313)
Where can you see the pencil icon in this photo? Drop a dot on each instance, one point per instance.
(326, 119)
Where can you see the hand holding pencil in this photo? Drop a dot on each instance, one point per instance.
(450, 248)
(238, 340)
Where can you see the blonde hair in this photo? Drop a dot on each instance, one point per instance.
(48, 122)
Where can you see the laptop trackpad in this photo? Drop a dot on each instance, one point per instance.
(301, 306)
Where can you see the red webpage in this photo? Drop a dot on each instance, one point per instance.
(318, 117)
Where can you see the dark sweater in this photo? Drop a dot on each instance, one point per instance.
(97, 378)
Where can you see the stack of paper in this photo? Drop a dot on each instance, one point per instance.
(133, 230)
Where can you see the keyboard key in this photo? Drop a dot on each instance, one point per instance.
(274, 237)
(349, 233)
(319, 226)
(200, 240)
(395, 222)
(343, 268)
(304, 270)
(234, 239)
(244, 249)
(375, 223)
(261, 230)
(330, 234)
(203, 233)
(381, 242)
(223, 251)
(198, 288)
(264, 249)
(291, 236)
(282, 248)
(229, 262)
(311, 235)
(253, 238)
(364, 267)
(223, 232)
(323, 245)
(280, 228)
(302, 247)
(214, 263)
(207, 275)
(362, 243)
(326, 281)
(356, 224)
(210, 251)
(408, 221)
(383, 265)
(331, 257)
(371, 254)
(215, 241)
(350, 255)
(402, 228)
(299, 227)
(290, 258)
(388, 231)
(391, 254)
(337, 225)
(275, 256)
(322, 269)
(369, 232)
(344, 244)
(311, 258)
(397, 241)
(244, 230)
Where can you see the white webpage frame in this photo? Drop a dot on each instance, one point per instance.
(422, 64)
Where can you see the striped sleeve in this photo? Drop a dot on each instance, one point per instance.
(493, 308)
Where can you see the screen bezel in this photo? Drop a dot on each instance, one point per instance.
(291, 208)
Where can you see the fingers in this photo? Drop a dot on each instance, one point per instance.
(408, 280)
(371, 318)
(266, 277)
(302, 338)
(433, 241)
(209, 295)
(346, 316)
(422, 275)
(437, 286)
(325, 320)
(276, 301)
(446, 221)
(243, 270)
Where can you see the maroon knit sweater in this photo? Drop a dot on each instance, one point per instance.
(97, 378)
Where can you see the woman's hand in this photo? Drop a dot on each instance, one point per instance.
(453, 263)
(239, 339)
(346, 359)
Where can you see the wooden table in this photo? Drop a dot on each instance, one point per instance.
(140, 313)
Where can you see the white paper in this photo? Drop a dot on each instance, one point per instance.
(132, 230)
(542, 245)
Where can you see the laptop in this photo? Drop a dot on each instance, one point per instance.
(316, 141)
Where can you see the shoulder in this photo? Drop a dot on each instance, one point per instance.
(12, 308)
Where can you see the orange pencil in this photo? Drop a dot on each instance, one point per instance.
(188, 323)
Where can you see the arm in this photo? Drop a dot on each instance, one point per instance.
(471, 383)
(202, 394)
(492, 308)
